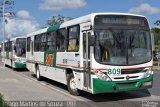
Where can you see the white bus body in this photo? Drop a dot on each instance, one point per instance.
(97, 53)
(14, 53)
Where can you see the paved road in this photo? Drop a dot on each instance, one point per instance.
(131, 99)
(15, 86)
(25, 87)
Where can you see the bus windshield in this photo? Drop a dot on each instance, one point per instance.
(122, 46)
(20, 48)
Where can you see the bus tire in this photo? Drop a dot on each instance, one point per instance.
(38, 75)
(71, 85)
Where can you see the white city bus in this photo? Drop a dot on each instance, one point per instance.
(14, 54)
(97, 53)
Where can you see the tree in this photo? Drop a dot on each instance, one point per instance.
(8, 8)
(59, 19)
(156, 33)
(157, 23)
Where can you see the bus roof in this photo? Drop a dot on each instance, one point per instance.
(37, 32)
(19, 37)
(90, 18)
(12, 39)
(79, 20)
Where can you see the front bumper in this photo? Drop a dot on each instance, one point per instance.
(100, 86)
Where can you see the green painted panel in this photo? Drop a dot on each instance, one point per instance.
(54, 27)
(100, 86)
(20, 65)
(50, 58)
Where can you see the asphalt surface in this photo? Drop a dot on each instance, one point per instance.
(22, 86)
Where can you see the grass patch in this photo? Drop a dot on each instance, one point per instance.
(2, 102)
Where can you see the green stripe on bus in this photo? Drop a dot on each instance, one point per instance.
(51, 28)
(59, 67)
(50, 60)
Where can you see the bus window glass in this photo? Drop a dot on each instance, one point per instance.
(21, 47)
(73, 42)
(129, 44)
(84, 45)
(10, 46)
(122, 47)
(28, 44)
(43, 43)
(139, 47)
(37, 41)
(51, 42)
(61, 40)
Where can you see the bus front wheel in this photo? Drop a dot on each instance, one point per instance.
(38, 76)
(71, 85)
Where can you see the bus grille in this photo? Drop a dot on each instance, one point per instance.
(132, 71)
(130, 77)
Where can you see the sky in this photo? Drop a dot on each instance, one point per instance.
(32, 15)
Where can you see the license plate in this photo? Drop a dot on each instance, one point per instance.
(114, 71)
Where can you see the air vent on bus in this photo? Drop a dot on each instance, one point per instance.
(126, 84)
(132, 71)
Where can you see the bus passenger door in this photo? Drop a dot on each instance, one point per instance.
(86, 60)
(31, 56)
(13, 54)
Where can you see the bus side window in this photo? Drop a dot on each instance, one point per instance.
(84, 45)
(10, 46)
(43, 44)
(61, 40)
(15, 49)
(73, 39)
(51, 41)
(37, 40)
(31, 47)
(28, 44)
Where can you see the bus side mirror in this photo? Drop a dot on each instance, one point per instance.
(91, 40)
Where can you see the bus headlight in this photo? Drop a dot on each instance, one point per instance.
(102, 76)
(148, 73)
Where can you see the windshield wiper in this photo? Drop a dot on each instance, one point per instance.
(114, 35)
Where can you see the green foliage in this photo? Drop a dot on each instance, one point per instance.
(156, 33)
(154, 56)
(55, 20)
(59, 19)
(157, 23)
(2, 102)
